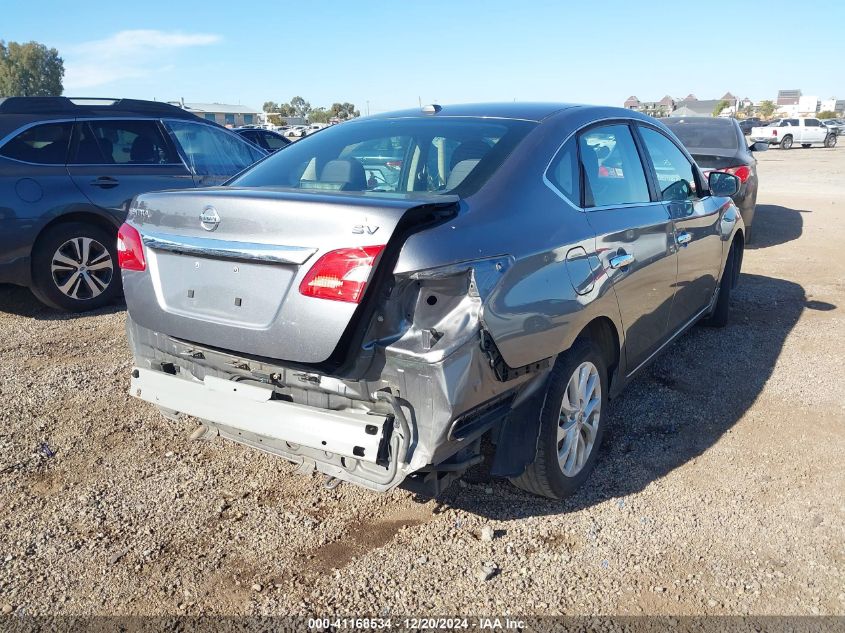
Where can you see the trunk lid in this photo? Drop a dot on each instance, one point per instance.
(709, 159)
(224, 265)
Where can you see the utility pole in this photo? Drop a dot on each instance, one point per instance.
(368, 107)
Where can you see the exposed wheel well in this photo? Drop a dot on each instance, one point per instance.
(78, 216)
(602, 332)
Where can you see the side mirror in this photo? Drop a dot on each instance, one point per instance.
(722, 184)
(759, 146)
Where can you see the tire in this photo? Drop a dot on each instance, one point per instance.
(786, 142)
(57, 263)
(830, 141)
(721, 312)
(546, 476)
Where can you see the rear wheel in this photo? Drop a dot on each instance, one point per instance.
(74, 267)
(571, 424)
(830, 141)
(786, 142)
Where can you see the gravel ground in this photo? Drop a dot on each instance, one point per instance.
(718, 491)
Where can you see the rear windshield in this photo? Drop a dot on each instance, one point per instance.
(695, 134)
(400, 156)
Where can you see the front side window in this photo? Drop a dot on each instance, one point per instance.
(211, 151)
(129, 142)
(393, 156)
(563, 172)
(44, 144)
(613, 173)
(675, 177)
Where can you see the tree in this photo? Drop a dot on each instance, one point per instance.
(319, 115)
(30, 70)
(344, 110)
(270, 106)
(724, 103)
(300, 107)
(826, 114)
(767, 109)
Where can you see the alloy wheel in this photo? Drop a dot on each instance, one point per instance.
(82, 268)
(580, 413)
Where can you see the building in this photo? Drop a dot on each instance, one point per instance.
(688, 106)
(788, 97)
(805, 105)
(660, 108)
(222, 113)
(698, 107)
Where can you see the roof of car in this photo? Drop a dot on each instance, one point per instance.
(528, 111)
(73, 106)
(703, 120)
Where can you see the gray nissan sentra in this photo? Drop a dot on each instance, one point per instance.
(506, 270)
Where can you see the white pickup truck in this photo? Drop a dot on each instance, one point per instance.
(787, 132)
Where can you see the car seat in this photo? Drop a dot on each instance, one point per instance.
(143, 151)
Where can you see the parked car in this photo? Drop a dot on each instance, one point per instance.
(265, 139)
(835, 125)
(68, 170)
(296, 131)
(786, 132)
(719, 144)
(746, 125)
(376, 334)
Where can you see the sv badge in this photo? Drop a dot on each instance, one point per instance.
(360, 229)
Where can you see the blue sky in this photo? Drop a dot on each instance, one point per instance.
(392, 53)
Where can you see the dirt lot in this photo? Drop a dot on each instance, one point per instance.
(719, 489)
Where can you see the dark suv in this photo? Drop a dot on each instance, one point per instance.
(70, 167)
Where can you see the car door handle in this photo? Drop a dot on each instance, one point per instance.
(621, 260)
(105, 182)
(683, 238)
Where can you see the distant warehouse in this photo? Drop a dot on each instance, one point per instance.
(223, 113)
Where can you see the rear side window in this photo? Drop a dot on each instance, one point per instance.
(563, 172)
(811, 122)
(213, 152)
(613, 173)
(44, 144)
(273, 142)
(675, 177)
(112, 142)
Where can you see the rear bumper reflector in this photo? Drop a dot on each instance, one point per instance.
(248, 407)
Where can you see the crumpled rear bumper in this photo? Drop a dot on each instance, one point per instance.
(350, 444)
(417, 413)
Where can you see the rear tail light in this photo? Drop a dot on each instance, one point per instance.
(742, 172)
(775, 132)
(341, 275)
(130, 249)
